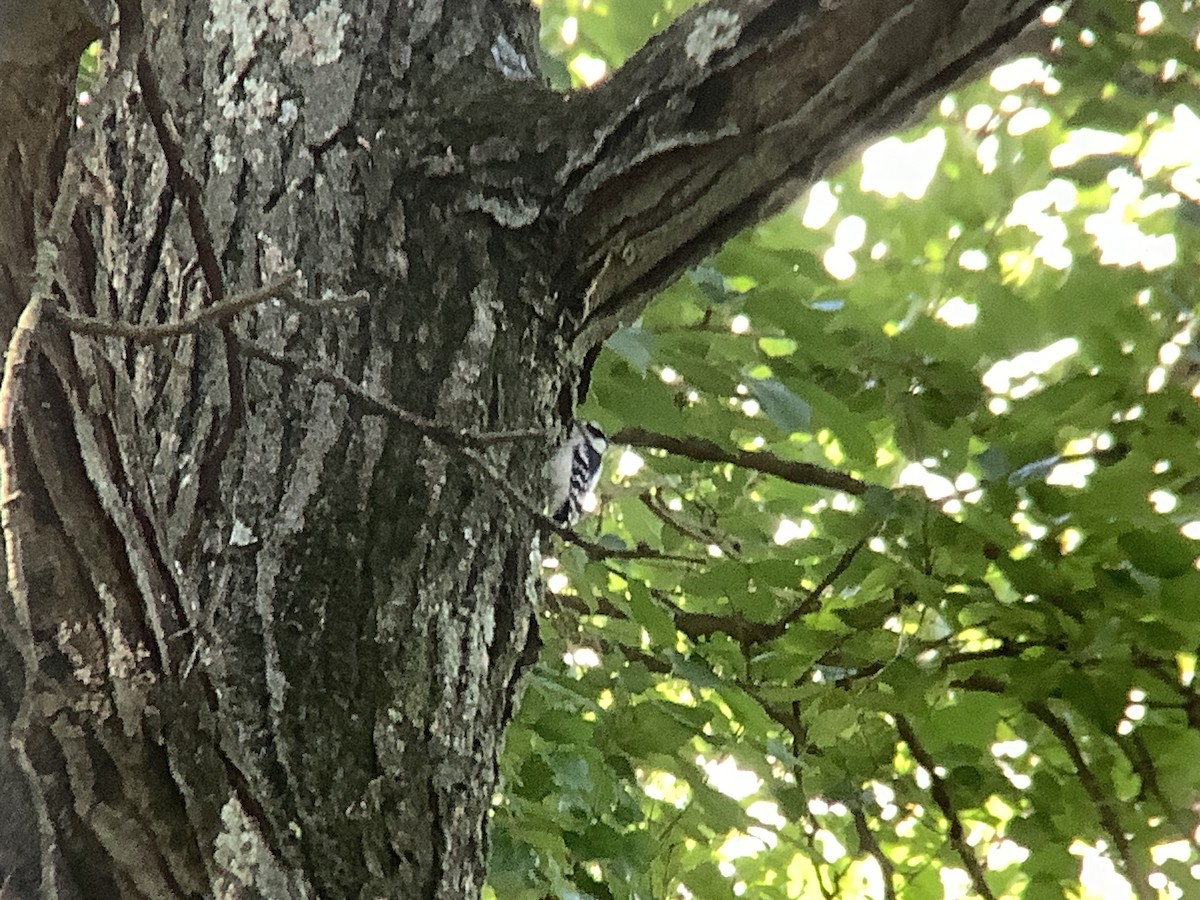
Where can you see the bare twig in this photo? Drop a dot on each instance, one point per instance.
(698, 625)
(216, 314)
(328, 302)
(185, 185)
(941, 796)
(651, 503)
(703, 450)
(443, 434)
(15, 361)
(14, 383)
(643, 551)
(466, 443)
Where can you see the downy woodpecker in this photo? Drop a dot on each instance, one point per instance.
(574, 471)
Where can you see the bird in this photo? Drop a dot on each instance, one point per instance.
(575, 471)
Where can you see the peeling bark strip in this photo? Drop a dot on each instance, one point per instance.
(263, 635)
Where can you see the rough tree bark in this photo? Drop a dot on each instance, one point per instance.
(268, 604)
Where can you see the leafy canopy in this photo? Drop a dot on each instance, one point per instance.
(969, 666)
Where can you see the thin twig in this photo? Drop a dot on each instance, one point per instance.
(458, 439)
(442, 434)
(185, 185)
(14, 383)
(461, 441)
(866, 837)
(330, 302)
(1143, 764)
(217, 314)
(697, 624)
(643, 551)
(703, 450)
(1099, 796)
(728, 547)
(649, 501)
(811, 602)
(941, 796)
(15, 359)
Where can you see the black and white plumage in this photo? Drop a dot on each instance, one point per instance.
(575, 470)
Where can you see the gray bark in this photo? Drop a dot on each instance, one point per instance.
(270, 603)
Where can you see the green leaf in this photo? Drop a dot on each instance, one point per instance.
(656, 620)
(777, 346)
(634, 345)
(971, 719)
(1165, 553)
(706, 881)
(833, 726)
(780, 404)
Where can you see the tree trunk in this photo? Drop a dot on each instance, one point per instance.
(273, 570)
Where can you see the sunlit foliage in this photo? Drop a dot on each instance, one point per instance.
(971, 666)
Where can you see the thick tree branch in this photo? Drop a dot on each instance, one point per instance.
(738, 107)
